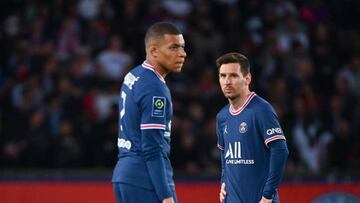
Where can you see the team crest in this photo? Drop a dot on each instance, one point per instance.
(243, 127)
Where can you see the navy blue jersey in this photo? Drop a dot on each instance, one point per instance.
(243, 137)
(145, 112)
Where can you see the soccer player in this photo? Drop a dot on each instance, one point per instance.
(143, 172)
(252, 143)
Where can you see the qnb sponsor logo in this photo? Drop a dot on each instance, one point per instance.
(272, 131)
(122, 143)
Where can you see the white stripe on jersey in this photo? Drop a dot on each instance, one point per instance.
(276, 137)
(247, 101)
(152, 68)
(152, 126)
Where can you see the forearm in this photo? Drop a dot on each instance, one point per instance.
(156, 168)
(222, 193)
(222, 165)
(278, 156)
(152, 149)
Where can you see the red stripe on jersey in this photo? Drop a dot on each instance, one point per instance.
(152, 126)
(276, 137)
(152, 68)
(236, 112)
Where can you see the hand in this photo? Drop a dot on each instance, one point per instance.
(168, 200)
(264, 200)
(222, 193)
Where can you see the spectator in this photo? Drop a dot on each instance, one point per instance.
(61, 62)
(114, 61)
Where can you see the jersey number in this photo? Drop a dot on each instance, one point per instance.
(122, 112)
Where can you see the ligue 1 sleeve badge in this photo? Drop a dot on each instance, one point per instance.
(243, 127)
(158, 106)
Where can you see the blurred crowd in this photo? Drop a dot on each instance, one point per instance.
(62, 63)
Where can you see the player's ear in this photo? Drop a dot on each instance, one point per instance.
(248, 79)
(153, 51)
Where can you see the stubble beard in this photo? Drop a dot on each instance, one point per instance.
(232, 97)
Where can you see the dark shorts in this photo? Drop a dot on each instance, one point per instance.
(125, 193)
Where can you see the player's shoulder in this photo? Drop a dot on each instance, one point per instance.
(223, 113)
(145, 78)
(145, 74)
(261, 104)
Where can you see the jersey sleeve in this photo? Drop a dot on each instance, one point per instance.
(153, 105)
(220, 140)
(278, 156)
(274, 139)
(269, 125)
(220, 145)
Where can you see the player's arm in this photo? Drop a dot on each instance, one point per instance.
(275, 140)
(278, 156)
(222, 163)
(264, 200)
(168, 200)
(152, 150)
(222, 193)
(220, 145)
(152, 133)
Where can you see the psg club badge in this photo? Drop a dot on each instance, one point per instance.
(243, 127)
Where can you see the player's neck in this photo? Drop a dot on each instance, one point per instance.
(160, 70)
(239, 101)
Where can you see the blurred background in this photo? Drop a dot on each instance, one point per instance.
(62, 63)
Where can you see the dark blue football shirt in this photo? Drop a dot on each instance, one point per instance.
(145, 112)
(243, 137)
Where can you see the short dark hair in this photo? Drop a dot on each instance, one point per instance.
(234, 57)
(159, 29)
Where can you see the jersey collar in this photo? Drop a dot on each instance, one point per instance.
(153, 69)
(247, 101)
